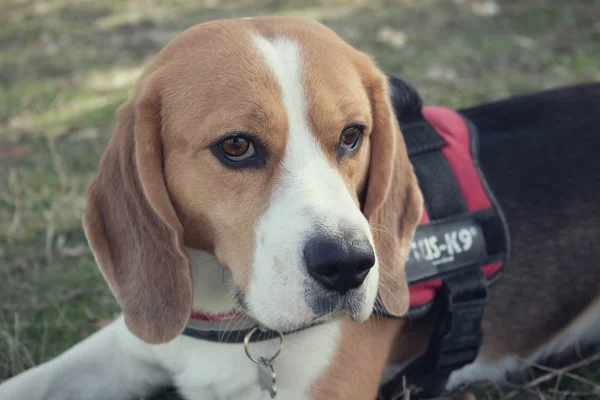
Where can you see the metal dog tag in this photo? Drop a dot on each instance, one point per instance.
(267, 377)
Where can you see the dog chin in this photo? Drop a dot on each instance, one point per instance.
(316, 306)
(354, 303)
(287, 322)
(363, 315)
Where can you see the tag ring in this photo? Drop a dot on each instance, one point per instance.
(262, 360)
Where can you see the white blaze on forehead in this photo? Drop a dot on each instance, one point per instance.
(306, 169)
(282, 55)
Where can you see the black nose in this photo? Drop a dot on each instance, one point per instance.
(339, 266)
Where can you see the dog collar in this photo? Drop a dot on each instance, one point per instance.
(208, 317)
(224, 328)
(231, 327)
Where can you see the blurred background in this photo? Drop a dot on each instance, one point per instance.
(66, 65)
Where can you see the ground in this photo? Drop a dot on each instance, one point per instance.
(65, 66)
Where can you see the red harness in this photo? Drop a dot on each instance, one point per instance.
(458, 146)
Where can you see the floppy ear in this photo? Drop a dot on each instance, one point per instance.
(133, 229)
(393, 203)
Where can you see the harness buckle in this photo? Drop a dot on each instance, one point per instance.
(455, 340)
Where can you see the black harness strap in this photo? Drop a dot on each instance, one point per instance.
(440, 189)
(420, 137)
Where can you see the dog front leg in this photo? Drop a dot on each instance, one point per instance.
(111, 364)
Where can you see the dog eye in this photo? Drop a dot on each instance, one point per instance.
(237, 148)
(351, 136)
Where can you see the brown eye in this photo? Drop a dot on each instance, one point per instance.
(350, 137)
(237, 148)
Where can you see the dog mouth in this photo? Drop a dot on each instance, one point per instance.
(323, 307)
(323, 304)
(241, 303)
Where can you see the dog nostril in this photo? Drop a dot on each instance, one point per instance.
(331, 271)
(366, 264)
(363, 268)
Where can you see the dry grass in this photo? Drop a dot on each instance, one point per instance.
(65, 66)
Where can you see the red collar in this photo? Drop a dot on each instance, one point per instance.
(200, 316)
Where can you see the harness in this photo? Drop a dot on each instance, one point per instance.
(460, 247)
(459, 250)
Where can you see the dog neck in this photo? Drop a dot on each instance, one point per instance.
(213, 284)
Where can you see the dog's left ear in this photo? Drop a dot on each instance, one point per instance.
(393, 203)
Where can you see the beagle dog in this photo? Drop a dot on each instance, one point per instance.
(259, 169)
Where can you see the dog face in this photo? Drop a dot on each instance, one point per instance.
(272, 144)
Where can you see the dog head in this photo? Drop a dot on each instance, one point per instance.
(272, 144)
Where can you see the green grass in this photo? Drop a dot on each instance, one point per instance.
(66, 66)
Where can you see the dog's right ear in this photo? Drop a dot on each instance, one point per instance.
(393, 203)
(133, 229)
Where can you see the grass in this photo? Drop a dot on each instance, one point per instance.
(65, 66)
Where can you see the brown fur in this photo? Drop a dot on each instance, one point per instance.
(363, 353)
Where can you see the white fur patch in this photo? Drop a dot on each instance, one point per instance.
(201, 370)
(584, 330)
(213, 285)
(311, 194)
